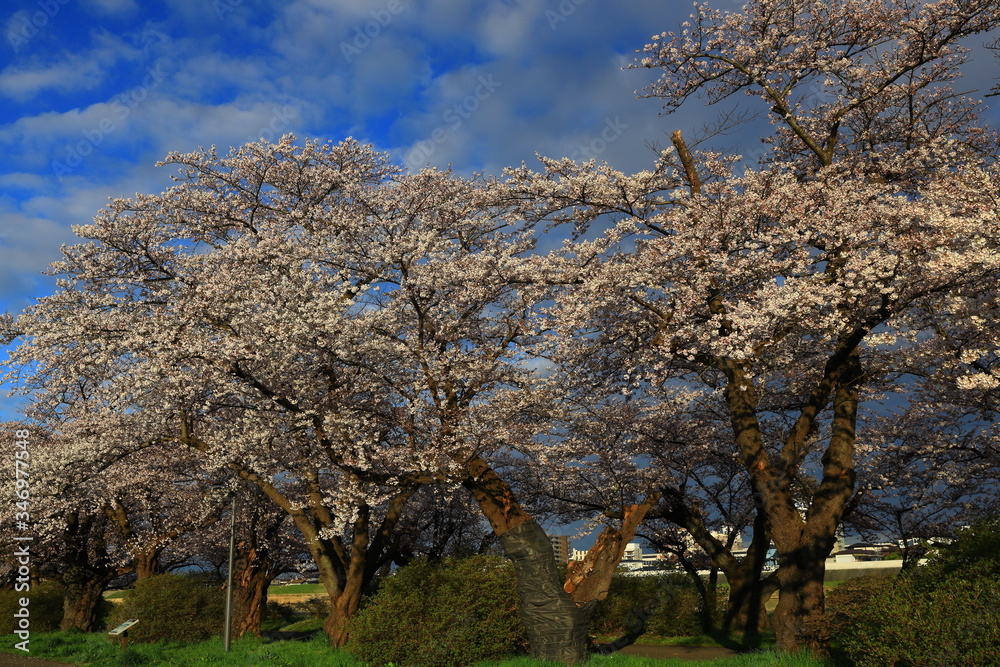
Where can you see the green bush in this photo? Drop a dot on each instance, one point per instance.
(451, 614)
(314, 607)
(668, 603)
(943, 613)
(45, 607)
(278, 614)
(171, 606)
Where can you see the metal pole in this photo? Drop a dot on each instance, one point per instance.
(228, 634)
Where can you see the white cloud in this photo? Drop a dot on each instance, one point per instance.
(72, 73)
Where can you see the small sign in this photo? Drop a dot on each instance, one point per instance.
(124, 626)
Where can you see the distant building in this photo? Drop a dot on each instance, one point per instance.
(560, 548)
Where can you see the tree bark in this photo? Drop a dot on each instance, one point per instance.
(802, 541)
(799, 620)
(81, 606)
(556, 612)
(147, 564)
(85, 576)
(590, 579)
(749, 591)
(253, 573)
(556, 625)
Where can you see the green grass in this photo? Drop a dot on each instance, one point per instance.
(296, 589)
(96, 649)
(768, 659)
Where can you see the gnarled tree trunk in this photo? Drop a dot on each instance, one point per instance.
(253, 573)
(556, 625)
(86, 575)
(556, 613)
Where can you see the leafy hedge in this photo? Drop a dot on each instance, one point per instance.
(443, 615)
(45, 607)
(668, 604)
(942, 614)
(171, 606)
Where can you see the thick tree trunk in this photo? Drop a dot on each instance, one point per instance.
(799, 620)
(82, 602)
(556, 613)
(252, 575)
(557, 626)
(342, 610)
(86, 574)
(147, 564)
(802, 542)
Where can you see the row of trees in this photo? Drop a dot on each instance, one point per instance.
(778, 350)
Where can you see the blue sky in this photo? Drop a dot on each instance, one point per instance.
(94, 92)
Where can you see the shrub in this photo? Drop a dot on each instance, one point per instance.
(668, 603)
(279, 614)
(447, 615)
(45, 607)
(943, 613)
(171, 606)
(314, 607)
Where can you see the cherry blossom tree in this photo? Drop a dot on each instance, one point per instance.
(615, 444)
(764, 286)
(332, 331)
(877, 202)
(784, 280)
(72, 540)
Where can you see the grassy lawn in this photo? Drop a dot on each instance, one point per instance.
(290, 589)
(296, 589)
(96, 649)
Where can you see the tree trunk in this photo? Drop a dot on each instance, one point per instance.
(342, 610)
(799, 620)
(86, 575)
(251, 577)
(81, 604)
(748, 595)
(802, 542)
(147, 564)
(749, 591)
(556, 613)
(557, 627)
